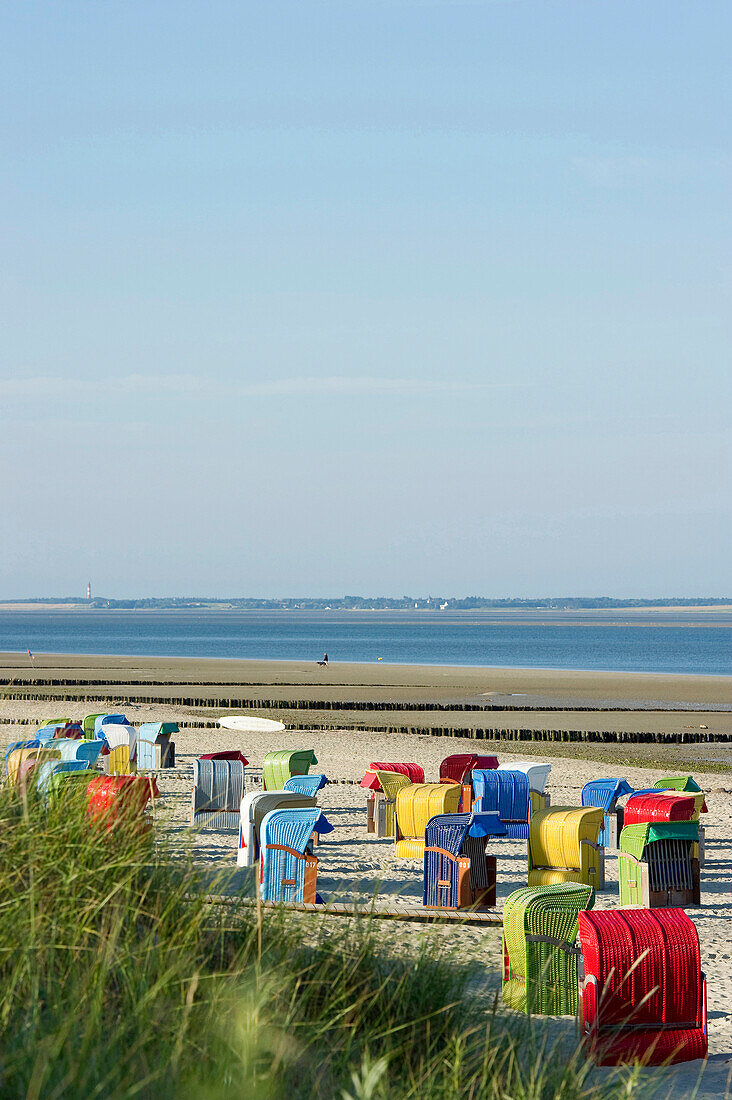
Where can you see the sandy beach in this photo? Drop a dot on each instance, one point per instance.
(354, 867)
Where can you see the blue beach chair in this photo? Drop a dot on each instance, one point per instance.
(507, 794)
(70, 749)
(305, 784)
(102, 719)
(604, 793)
(289, 866)
(155, 750)
(457, 872)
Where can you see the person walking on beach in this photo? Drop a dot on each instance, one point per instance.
(324, 662)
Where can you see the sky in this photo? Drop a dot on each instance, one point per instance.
(326, 298)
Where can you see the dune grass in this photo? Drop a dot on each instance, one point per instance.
(119, 978)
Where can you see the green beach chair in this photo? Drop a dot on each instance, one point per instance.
(539, 954)
(87, 724)
(279, 766)
(657, 865)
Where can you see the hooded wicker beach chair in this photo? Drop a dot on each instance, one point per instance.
(87, 751)
(107, 719)
(155, 750)
(88, 723)
(21, 762)
(306, 784)
(278, 767)
(116, 800)
(289, 868)
(255, 805)
(47, 770)
(381, 804)
(537, 775)
(539, 952)
(380, 815)
(564, 847)
(686, 784)
(119, 739)
(457, 769)
(415, 805)
(458, 874)
(645, 806)
(31, 743)
(643, 994)
(657, 865)
(507, 793)
(218, 788)
(605, 794)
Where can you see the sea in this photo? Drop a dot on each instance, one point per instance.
(639, 641)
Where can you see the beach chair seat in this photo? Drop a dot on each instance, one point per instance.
(255, 805)
(539, 952)
(657, 866)
(289, 868)
(458, 872)
(279, 766)
(306, 784)
(604, 793)
(120, 800)
(642, 990)
(458, 767)
(563, 846)
(155, 750)
(537, 774)
(415, 805)
(507, 793)
(218, 788)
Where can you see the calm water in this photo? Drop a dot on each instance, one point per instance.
(647, 642)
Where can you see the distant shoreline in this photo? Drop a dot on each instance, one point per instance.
(507, 609)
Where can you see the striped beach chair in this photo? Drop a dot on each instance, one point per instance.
(643, 993)
(539, 952)
(458, 873)
(119, 739)
(564, 847)
(86, 751)
(379, 804)
(508, 794)
(289, 868)
(218, 788)
(255, 805)
(457, 768)
(306, 784)
(118, 801)
(279, 766)
(657, 866)
(537, 775)
(605, 794)
(415, 805)
(155, 750)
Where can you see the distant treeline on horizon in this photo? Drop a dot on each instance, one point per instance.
(378, 603)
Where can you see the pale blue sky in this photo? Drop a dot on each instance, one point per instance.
(326, 298)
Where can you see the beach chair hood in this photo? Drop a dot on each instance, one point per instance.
(659, 807)
(605, 793)
(281, 765)
(537, 773)
(104, 719)
(459, 766)
(503, 792)
(414, 772)
(305, 784)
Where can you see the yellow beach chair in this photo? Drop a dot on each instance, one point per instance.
(415, 805)
(564, 846)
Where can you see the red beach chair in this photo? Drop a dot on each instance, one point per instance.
(457, 769)
(643, 808)
(643, 996)
(112, 799)
(226, 754)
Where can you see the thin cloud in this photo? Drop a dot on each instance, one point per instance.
(41, 388)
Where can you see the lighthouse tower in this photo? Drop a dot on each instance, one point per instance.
(88, 590)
